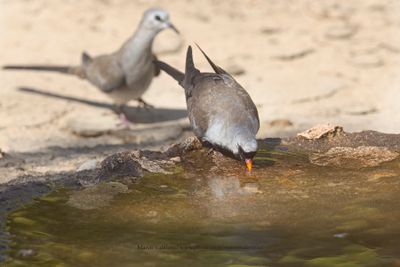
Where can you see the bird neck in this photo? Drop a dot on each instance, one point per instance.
(141, 42)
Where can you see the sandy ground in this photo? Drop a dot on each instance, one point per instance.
(303, 62)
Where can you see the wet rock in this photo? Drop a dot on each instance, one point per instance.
(189, 144)
(349, 157)
(88, 165)
(321, 131)
(120, 165)
(96, 196)
(344, 139)
(151, 166)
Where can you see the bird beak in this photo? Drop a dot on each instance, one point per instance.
(249, 164)
(171, 26)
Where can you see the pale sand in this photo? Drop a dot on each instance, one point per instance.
(305, 61)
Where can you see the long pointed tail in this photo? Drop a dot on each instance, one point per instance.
(60, 69)
(171, 71)
(216, 68)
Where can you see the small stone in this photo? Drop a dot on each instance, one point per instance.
(321, 131)
(176, 159)
(88, 165)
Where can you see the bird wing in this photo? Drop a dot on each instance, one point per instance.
(106, 73)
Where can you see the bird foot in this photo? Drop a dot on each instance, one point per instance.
(144, 104)
(124, 122)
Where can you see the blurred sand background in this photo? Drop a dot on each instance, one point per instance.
(303, 62)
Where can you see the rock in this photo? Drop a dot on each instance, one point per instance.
(151, 166)
(88, 165)
(120, 164)
(321, 131)
(189, 144)
(96, 196)
(349, 157)
(176, 159)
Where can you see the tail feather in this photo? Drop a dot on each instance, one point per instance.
(174, 73)
(190, 69)
(61, 69)
(216, 68)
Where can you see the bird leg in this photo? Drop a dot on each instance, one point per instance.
(122, 116)
(144, 104)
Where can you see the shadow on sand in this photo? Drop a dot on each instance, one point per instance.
(134, 114)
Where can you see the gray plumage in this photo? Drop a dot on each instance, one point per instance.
(221, 112)
(125, 74)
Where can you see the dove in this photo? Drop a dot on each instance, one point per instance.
(125, 74)
(220, 111)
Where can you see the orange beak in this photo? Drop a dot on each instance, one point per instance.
(249, 164)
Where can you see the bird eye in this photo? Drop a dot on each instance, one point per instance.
(157, 17)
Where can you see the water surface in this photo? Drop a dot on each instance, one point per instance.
(287, 213)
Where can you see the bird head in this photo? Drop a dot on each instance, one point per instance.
(157, 19)
(246, 151)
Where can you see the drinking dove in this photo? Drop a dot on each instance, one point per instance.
(220, 111)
